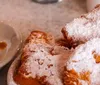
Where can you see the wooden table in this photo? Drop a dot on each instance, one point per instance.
(25, 16)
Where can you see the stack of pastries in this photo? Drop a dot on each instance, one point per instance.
(75, 60)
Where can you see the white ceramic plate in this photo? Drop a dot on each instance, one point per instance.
(13, 40)
(12, 70)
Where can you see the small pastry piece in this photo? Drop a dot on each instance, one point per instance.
(83, 67)
(42, 61)
(83, 29)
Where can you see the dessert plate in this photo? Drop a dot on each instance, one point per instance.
(10, 40)
(12, 70)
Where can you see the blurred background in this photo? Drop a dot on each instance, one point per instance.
(27, 15)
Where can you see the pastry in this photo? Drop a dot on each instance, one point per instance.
(42, 61)
(83, 28)
(83, 67)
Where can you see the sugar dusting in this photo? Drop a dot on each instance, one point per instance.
(46, 60)
(86, 61)
(85, 28)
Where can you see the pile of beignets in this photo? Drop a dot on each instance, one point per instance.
(74, 60)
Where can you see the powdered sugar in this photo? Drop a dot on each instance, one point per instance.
(85, 60)
(46, 60)
(85, 28)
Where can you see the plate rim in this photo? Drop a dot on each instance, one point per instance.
(6, 61)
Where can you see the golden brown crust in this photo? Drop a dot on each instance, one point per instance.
(36, 37)
(96, 57)
(73, 41)
(97, 6)
(65, 34)
(62, 42)
(39, 37)
(69, 41)
(71, 77)
(21, 80)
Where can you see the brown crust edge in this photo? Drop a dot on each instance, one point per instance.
(47, 38)
(68, 39)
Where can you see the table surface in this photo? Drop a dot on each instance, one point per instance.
(26, 15)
